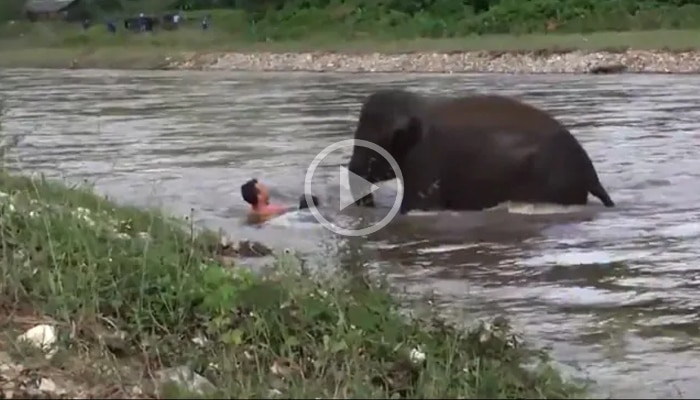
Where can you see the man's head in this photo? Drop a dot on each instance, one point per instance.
(255, 193)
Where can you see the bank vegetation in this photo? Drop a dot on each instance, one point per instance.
(324, 23)
(103, 300)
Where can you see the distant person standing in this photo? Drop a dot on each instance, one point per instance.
(111, 27)
(205, 22)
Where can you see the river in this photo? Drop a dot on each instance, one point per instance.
(611, 292)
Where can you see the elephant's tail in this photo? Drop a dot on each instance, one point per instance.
(599, 192)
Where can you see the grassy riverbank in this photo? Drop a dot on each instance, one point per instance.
(129, 290)
(62, 45)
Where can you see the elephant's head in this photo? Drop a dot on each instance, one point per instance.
(392, 120)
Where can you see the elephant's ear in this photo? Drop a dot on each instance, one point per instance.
(407, 136)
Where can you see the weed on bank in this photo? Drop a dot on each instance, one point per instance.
(133, 293)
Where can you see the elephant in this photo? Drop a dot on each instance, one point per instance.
(471, 153)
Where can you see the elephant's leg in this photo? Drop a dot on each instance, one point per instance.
(422, 183)
(357, 188)
(558, 173)
(475, 194)
(474, 184)
(423, 197)
(558, 191)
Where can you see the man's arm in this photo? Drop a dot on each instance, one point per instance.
(279, 209)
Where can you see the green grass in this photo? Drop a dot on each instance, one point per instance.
(60, 45)
(94, 268)
(194, 40)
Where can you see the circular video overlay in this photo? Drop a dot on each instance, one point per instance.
(348, 196)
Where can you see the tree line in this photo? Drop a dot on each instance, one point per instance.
(420, 18)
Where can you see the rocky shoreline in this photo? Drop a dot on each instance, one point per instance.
(549, 62)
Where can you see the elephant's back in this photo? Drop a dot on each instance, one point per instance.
(493, 112)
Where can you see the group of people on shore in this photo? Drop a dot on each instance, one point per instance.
(147, 23)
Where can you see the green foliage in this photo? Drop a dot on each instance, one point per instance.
(81, 260)
(444, 18)
(11, 9)
(403, 19)
(408, 19)
(150, 291)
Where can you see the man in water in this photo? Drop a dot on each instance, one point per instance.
(258, 196)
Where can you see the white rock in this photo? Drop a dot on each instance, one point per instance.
(417, 356)
(199, 340)
(186, 378)
(41, 336)
(484, 337)
(136, 391)
(48, 386)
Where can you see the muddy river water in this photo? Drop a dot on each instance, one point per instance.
(614, 293)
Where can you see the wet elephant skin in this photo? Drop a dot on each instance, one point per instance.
(472, 152)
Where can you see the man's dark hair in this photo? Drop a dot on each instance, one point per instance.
(250, 192)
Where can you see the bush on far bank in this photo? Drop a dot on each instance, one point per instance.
(454, 18)
(281, 20)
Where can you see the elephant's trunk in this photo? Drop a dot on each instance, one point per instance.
(356, 186)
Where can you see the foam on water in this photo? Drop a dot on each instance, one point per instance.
(691, 229)
(515, 208)
(585, 296)
(300, 219)
(445, 248)
(539, 208)
(584, 257)
(184, 132)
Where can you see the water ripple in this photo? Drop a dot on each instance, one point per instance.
(613, 292)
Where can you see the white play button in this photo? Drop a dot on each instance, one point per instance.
(353, 187)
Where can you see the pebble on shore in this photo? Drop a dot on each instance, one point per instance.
(576, 62)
